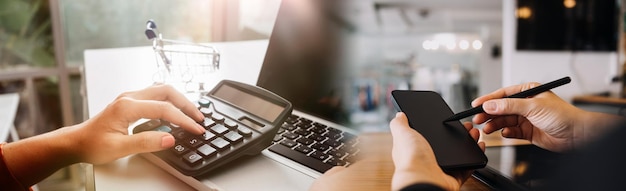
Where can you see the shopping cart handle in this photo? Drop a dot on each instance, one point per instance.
(151, 29)
(151, 24)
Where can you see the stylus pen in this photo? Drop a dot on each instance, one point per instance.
(523, 94)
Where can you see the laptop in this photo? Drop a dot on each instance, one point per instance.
(302, 66)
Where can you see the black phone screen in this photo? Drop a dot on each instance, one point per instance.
(453, 146)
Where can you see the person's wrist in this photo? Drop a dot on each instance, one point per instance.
(71, 144)
(597, 124)
(579, 126)
(403, 177)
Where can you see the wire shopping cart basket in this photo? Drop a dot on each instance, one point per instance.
(182, 63)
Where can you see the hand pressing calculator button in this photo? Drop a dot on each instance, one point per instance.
(240, 119)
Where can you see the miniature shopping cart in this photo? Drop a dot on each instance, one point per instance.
(183, 64)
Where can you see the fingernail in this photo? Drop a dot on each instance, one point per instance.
(199, 115)
(490, 106)
(167, 141)
(200, 128)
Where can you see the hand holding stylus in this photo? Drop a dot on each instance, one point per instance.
(522, 94)
(544, 119)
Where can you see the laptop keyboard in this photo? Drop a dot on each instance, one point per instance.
(315, 145)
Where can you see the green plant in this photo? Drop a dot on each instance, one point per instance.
(25, 33)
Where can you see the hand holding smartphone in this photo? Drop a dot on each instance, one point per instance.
(426, 111)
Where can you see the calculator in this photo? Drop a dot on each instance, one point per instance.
(240, 119)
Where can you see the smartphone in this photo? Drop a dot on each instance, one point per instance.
(426, 111)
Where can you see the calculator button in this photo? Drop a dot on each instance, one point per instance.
(230, 124)
(244, 131)
(219, 129)
(207, 136)
(204, 102)
(206, 111)
(181, 134)
(179, 149)
(220, 143)
(233, 137)
(192, 158)
(208, 122)
(194, 142)
(163, 128)
(207, 150)
(217, 117)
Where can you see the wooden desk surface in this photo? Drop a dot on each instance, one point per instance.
(602, 100)
(375, 172)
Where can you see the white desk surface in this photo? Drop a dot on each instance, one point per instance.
(8, 108)
(109, 72)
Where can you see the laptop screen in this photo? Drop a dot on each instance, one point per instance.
(302, 63)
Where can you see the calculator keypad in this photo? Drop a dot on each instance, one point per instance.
(222, 136)
(230, 131)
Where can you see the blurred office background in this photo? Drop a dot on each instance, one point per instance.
(459, 48)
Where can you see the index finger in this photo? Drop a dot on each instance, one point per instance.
(503, 92)
(131, 110)
(167, 93)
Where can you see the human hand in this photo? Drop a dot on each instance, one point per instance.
(544, 119)
(415, 160)
(104, 137)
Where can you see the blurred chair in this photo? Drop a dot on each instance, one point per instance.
(8, 109)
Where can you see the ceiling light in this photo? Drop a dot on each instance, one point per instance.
(524, 12)
(569, 3)
(463, 44)
(426, 45)
(477, 45)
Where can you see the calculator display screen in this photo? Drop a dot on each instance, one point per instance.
(250, 103)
